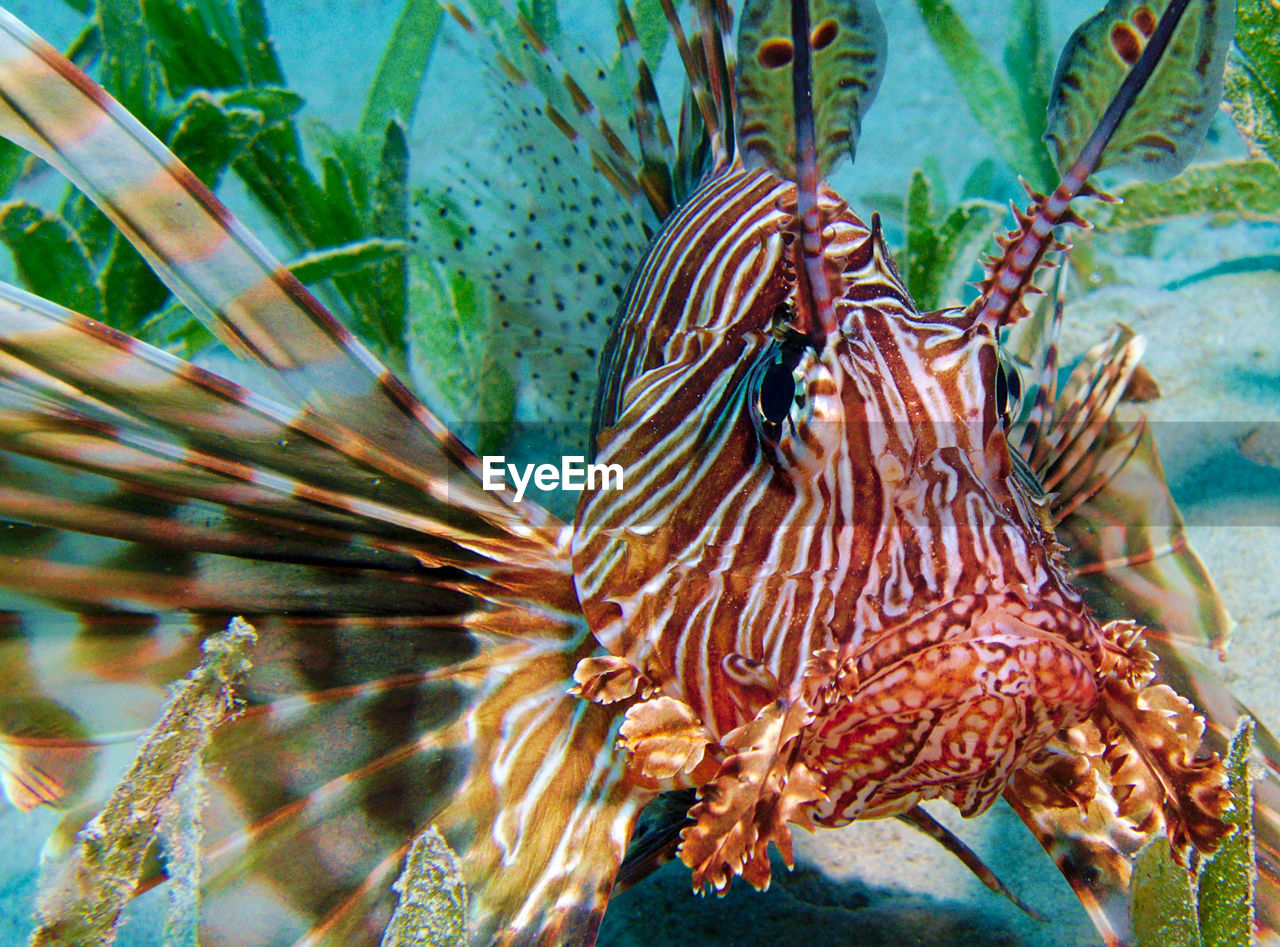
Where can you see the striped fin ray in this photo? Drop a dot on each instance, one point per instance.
(47, 496)
(171, 474)
(1090, 399)
(717, 63)
(551, 308)
(536, 245)
(709, 67)
(1126, 545)
(657, 155)
(225, 275)
(919, 819)
(238, 434)
(716, 122)
(1111, 508)
(1036, 347)
(66, 725)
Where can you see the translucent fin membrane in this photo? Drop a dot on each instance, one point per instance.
(847, 50)
(1164, 127)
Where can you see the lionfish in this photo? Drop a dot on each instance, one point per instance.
(840, 580)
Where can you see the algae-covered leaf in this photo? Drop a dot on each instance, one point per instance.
(50, 257)
(433, 897)
(131, 291)
(652, 29)
(12, 160)
(1167, 122)
(345, 188)
(261, 63)
(543, 15)
(1164, 899)
(195, 45)
(208, 137)
(963, 233)
(992, 99)
(128, 67)
(81, 899)
(1226, 882)
(181, 832)
(1252, 88)
(398, 82)
(456, 355)
(922, 239)
(277, 104)
(1028, 60)
(1246, 189)
(389, 220)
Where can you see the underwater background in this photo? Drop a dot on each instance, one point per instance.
(1213, 345)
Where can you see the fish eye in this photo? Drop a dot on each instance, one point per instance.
(774, 389)
(777, 391)
(1008, 392)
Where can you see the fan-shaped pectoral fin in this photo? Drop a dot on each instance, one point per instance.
(760, 787)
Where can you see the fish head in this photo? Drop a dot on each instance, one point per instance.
(809, 504)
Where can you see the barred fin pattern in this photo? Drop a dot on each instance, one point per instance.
(421, 675)
(1126, 544)
(226, 276)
